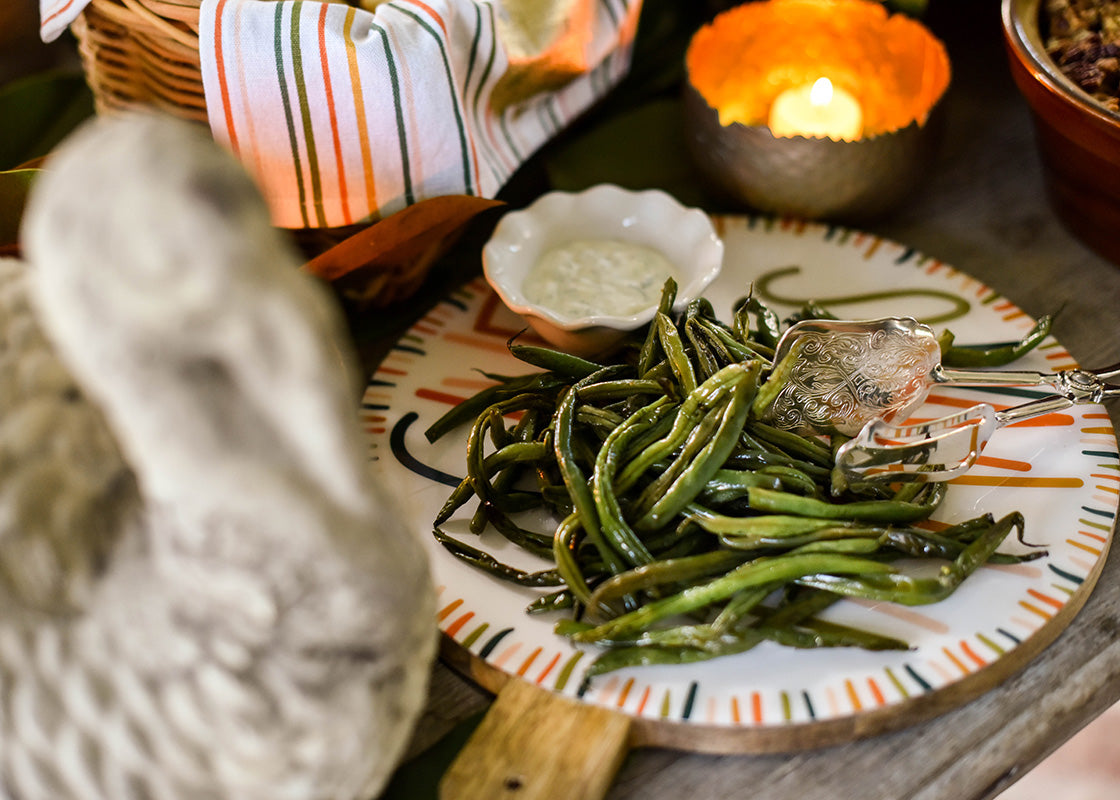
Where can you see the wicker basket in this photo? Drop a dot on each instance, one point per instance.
(144, 54)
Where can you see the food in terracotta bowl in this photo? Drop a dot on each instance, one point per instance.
(1078, 132)
(586, 268)
(1083, 39)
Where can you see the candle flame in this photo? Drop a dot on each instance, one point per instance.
(821, 93)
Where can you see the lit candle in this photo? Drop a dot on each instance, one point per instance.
(819, 110)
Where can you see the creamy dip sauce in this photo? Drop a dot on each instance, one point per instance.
(596, 277)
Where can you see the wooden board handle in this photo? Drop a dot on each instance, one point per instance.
(536, 745)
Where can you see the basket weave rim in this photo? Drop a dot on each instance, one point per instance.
(177, 21)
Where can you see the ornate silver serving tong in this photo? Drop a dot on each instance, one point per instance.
(853, 378)
(944, 448)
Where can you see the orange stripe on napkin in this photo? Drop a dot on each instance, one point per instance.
(359, 108)
(56, 14)
(223, 79)
(336, 141)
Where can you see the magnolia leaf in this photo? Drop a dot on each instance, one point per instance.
(915, 8)
(420, 232)
(15, 185)
(419, 777)
(641, 148)
(37, 112)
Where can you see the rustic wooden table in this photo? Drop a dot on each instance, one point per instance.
(983, 211)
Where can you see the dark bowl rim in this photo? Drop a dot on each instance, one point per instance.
(1027, 44)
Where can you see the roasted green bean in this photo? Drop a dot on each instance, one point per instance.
(689, 529)
(996, 355)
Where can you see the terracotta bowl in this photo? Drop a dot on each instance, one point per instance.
(1078, 139)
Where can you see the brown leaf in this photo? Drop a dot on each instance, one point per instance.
(413, 237)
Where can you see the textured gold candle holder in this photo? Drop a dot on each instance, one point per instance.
(742, 61)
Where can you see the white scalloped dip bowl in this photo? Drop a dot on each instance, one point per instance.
(650, 218)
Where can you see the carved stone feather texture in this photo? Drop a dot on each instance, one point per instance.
(203, 591)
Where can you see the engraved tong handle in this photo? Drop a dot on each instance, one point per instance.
(1077, 385)
(944, 448)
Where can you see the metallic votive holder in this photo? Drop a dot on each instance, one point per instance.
(747, 57)
(808, 178)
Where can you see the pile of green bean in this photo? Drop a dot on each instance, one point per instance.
(689, 528)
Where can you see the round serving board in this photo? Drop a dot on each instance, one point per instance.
(1062, 471)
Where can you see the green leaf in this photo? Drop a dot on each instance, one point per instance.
(915, 8)
(665, 28)
(37, 112)
(14, 188)
(418, 779)
(642, 148)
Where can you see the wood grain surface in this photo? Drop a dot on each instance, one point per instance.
(534, 744)
(983, 211)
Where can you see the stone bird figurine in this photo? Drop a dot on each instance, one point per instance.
(203, 591)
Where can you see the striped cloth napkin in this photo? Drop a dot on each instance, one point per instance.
(55, 16)
(345, 114)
